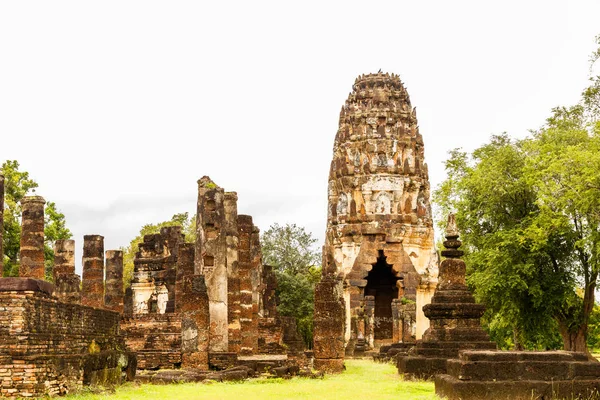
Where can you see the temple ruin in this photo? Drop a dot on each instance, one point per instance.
(191, 306)
(379, 239)
(50, 343)
(212, 298)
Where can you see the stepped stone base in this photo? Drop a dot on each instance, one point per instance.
(519, 375)
(389, 353)
(156, 338)
(429, 358)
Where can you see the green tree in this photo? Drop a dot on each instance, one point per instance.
(187, 224)
(291, 251)
(529, 212)
(17, 185)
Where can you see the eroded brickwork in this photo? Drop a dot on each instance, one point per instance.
(211, 257)
(66, 282)
(155, 272)
(195, 323)
(329, 325)
(233, 278)
(113, 294)
(92, 285)
(245, 273)
(32, 238)
(49, 347)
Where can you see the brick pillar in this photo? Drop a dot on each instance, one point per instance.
(66, 282)
(185, 267)
(32, 238)
(172, 239)
(211, 257)
(1, 222)
(195, 321)
(233, 278)
(92, 290)
(245, 266)
(397, 320)
(329, 325)
(257, 284)
(370, 321)
(113, 293)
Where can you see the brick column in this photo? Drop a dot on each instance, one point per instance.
(66, 282)
(397, 320)
(245, 268)
(92, 290)
(113, 293)
(370, 321)
(257, 284)
(195, 321)
(64, 258)
(1, 222)
(233, 278)
(32, 238)
(329, 325)
(211, 257)
(185, 267)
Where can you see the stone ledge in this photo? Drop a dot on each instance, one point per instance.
(25, 285)
(453, 389)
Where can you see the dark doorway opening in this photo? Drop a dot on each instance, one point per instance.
(381, 283)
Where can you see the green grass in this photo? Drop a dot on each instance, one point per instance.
(362, 379)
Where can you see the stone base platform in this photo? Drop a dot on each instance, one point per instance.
(389, 353)
(428, 359)
(156, 338)
(519, 375)
(263, 362)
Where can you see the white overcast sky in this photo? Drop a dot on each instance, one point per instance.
(116, 108)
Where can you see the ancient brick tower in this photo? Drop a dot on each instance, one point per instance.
(379, 238)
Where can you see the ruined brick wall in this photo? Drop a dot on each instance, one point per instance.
(156, 338)
(152, 328)
(270, 336)
(51, 347)
(291, 337)
(155, 272)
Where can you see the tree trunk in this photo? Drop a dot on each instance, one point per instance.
(573, 340)
(518, 346)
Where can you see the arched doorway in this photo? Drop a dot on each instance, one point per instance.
(381, 283)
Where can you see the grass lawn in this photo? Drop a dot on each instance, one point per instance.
(362, 379)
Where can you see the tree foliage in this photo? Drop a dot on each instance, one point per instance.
(291, 251)
(187, 224)
(529, 213)
(18, 184)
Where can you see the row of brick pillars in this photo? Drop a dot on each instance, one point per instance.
(95, 291)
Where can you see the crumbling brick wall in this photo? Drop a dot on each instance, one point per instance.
(48, 347)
